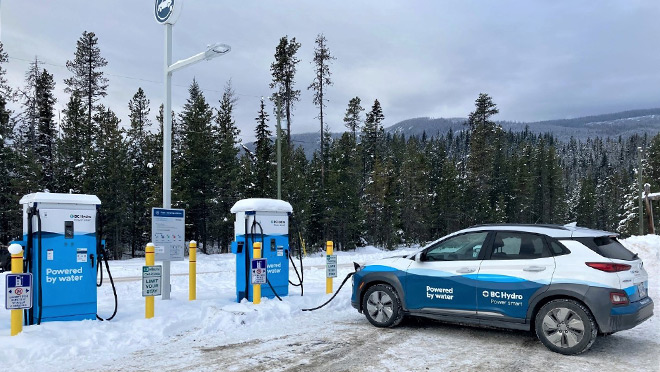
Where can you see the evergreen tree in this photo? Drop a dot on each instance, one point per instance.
(141, 180)
(480, 161)
(343, 195)
(30, 116)
(372, 136)
(109, 162)
(195, 165)
(283, 71)
(10, 220)
(46, 133)
(87, 79)
(321, 61)
(227, 168)
(413, 197)
(586, 203)
(352, 119)
(263, 173)
(72, 159)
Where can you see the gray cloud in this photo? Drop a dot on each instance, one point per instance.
(539, 60)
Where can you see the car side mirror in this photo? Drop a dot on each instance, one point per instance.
(419, 257)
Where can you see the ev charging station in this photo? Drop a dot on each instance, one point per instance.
(265, 221)
(63, 249)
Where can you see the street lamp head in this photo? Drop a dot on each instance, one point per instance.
(216, 50)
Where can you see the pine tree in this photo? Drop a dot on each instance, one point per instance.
(227, 168)
(480, 161)
(283, 71)
(343, 193)
(372, 136)
(10, 220)
(72, 159)
(352, 119)
(141, 178)
(263, 174)
(87, 79)
(195, 165)
(586, 203)
(46, 133)
(28, 123)
(321, 61)
(414, 193)
(109, 162)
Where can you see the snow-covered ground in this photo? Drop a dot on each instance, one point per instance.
(216, 334)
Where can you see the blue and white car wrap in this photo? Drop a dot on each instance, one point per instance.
(490, 289)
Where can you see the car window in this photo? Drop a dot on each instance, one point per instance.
(609, 247)
(518, 246)
(558, 249)
(461, 247)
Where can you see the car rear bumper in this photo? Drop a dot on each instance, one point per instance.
(630, 316)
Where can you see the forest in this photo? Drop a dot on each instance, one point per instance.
(366, 187)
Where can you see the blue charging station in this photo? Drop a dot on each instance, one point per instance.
(265, 221)
(61, 241)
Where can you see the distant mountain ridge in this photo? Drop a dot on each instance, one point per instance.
(624, 123)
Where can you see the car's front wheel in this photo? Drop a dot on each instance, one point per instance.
(381, 306)
(566, 326)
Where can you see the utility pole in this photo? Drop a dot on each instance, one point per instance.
(279, 149)
(641, 190)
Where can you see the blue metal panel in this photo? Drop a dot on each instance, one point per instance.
(67, 281)
(276, 251)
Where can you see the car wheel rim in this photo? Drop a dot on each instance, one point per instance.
(380, 306)
(563, 327)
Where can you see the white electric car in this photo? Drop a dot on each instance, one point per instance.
(566, 283)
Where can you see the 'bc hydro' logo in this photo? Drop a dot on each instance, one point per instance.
(164, 10)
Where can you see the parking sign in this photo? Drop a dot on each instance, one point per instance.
(259, 271)
(18, 291)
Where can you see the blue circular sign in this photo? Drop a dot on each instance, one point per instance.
(164, 9)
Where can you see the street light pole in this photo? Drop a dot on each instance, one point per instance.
(166, 13)
(167, 148)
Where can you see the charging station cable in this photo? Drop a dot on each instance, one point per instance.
(333, 296)
(103, 256)
(99, 267)
(301, 275)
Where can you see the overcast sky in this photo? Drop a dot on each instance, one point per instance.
(537, 59)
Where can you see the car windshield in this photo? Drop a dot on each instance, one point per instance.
(461, 247)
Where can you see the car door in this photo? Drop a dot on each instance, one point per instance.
(440, 280)
(517, 267)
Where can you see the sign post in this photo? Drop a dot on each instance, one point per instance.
(259, 273)
(168, 228)
(18, 293)
(330, 266)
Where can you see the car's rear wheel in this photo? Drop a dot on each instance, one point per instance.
(566, 326)
(381, 306)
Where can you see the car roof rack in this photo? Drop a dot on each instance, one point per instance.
(548, 226)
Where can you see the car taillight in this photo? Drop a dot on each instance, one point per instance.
(619, 298)
(608, 266)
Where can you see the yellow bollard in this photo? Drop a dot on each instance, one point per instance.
(149, 254)
(16, 268)
(328, 252)
(256, 288)
(192, 267)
